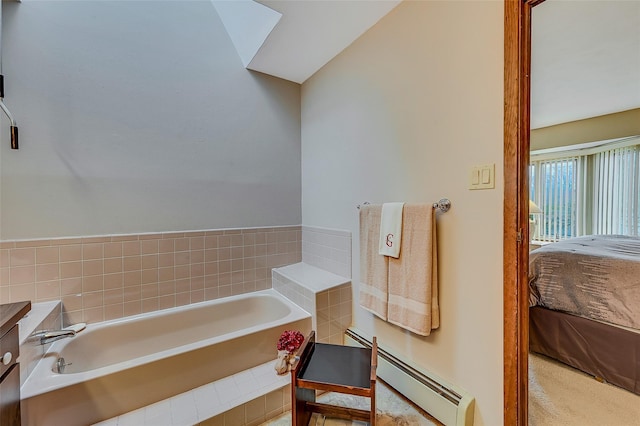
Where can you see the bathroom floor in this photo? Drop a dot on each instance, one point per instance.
(393, 410)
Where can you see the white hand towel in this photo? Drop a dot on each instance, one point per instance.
(391, 229)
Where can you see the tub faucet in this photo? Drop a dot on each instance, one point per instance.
(53, 335)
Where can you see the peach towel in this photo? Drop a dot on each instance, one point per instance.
(373, 266)
(413, 278)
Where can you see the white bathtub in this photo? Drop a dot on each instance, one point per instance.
(121, 365)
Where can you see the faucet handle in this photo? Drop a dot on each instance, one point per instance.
(53, 335)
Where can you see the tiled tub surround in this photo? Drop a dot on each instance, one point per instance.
(328, 249)
(325, 295)
(329, 300)
(108, 277)
(125, 364)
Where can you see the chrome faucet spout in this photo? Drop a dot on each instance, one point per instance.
(53, 335)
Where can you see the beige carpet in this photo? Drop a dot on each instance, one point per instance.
(563, 396)
(391, 410)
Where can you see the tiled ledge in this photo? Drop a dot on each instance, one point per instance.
(312, 278)
(247, 398)
(325, 295)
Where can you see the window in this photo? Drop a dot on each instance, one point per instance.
(554, 188)
(587, 191)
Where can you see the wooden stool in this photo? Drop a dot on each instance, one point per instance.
(335, 368)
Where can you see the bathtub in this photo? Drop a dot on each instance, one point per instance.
(118, 366)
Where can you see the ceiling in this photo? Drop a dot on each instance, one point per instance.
(294, 39)
(312, 32)
(585, 53)
(585, 60)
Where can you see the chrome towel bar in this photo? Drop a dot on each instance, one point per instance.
(444, 204)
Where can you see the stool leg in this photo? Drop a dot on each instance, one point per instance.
(301, 396)
(372, 420)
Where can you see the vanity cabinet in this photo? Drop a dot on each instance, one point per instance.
(10, 314)
(10, 379)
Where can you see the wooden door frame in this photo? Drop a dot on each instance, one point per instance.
(517, 89)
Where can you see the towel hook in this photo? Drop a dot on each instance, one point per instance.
(364, 204)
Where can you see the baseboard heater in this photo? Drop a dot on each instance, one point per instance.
(451, 406)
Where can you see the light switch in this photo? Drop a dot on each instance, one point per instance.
(475, 176)
(486, 176)
(482, 177)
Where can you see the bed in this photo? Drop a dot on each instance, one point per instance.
(585, 306)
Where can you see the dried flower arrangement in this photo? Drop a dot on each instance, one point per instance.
(288, 343)
(290, 340)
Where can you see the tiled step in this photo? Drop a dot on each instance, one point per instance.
(260, 390)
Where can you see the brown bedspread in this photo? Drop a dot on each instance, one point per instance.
(595, 277)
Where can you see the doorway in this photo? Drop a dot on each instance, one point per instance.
(517, 143)
(517, 89)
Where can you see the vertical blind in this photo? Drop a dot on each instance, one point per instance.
(617, 191)
(598, 193)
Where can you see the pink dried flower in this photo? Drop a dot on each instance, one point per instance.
(290, 340)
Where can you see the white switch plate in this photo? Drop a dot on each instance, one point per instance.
(483, 177)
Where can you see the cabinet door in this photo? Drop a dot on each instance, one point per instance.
(9, 343)
(10, 397)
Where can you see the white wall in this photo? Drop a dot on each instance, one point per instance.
(402, 115)
(139, 117)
